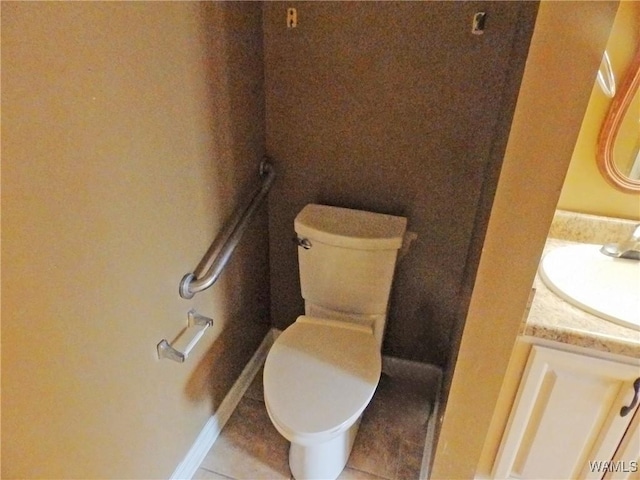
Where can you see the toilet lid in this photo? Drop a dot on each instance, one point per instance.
(320, 374)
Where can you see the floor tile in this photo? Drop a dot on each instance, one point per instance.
(203, 474)
(409, 461)
(394, 426)
(376, 448)
(401, 407)
(255, 390)
(353, 474)
(249, 447)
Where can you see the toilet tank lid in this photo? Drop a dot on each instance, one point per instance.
(348, 228)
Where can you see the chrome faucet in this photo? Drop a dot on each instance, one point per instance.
(630, 248)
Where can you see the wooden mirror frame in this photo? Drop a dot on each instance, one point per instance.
(617, 110)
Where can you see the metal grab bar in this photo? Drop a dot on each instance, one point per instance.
(212, 264)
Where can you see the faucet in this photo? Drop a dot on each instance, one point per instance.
(629, 248)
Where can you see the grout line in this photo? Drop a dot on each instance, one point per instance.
(217, 473)
(381, 477)
(399, 459)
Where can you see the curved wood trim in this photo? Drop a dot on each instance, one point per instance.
(611, 126)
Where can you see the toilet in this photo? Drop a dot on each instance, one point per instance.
(322, 371)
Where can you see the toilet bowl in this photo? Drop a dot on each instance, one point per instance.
(318, 378)
(322, 371)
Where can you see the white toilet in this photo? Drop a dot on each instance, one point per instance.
(322, 371)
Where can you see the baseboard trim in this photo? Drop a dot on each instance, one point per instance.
(211, 430)
(429, 444)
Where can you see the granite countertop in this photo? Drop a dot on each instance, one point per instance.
(554, 319)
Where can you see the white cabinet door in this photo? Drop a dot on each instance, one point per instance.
(566, 413)
(626, 462)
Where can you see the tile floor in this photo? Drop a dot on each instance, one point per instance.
(389, 445)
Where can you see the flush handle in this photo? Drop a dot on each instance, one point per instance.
(303, 242)
(479, 20)
(624, 411)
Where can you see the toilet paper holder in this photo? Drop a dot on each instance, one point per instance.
(177, 352)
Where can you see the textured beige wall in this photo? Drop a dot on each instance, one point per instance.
(390, 107)
(585, 190)
(130, 132)
(543, 134)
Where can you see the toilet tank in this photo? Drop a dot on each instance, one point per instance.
(347, 258)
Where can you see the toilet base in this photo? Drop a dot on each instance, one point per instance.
(324, 461)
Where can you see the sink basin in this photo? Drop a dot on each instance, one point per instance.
(604, 286)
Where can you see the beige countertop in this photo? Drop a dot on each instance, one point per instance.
(554, 319)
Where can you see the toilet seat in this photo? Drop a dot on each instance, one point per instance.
(319, 376)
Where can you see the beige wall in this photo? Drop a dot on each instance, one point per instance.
(538, 153)
(585, 190)
(130, 131)
(391, 107)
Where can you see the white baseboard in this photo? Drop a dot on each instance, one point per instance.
(211, 430)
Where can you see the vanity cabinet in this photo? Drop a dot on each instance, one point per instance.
(628, 453)
(566, 417)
